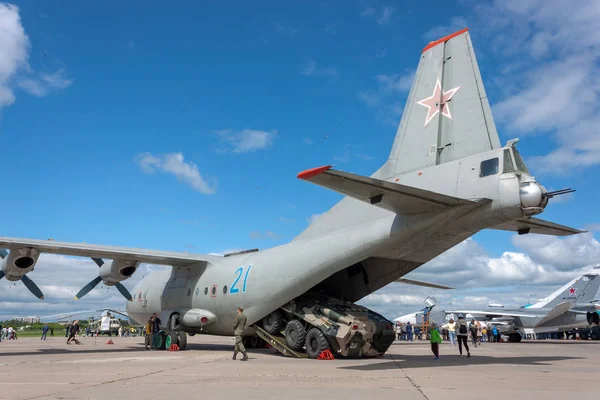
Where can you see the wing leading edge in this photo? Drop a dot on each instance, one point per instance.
(391, 196)
(110, 252)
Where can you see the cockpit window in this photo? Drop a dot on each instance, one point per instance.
(508, 164)
(520, 164)
(489, 167)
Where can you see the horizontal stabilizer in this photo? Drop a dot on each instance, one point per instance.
(400, 199)
(539, 226)
(421, 283)
(493, 313)
(555, 312)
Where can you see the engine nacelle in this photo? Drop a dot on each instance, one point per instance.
(19, 262)
(593, 318)
(117, 271)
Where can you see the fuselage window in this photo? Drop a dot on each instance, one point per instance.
(489, 167)
(508, 164)
(205, 291)
(214, 290)
(520, 163)
(189, 291)
(225, 289)
(197, 291)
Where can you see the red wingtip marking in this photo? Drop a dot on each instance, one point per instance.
(444, 39)
(311, 173)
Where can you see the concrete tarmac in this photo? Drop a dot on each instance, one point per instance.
(35, 369)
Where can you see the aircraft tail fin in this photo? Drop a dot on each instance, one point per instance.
(447, 115)
(582, 289)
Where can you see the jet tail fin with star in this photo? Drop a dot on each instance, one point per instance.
(447, 115)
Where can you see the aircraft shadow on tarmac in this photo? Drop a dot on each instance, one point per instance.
(403, 362)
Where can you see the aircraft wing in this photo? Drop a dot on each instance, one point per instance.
(421, 283)
(560, 309)
(388, 195)
(535, 225)
(493, 313)
(109, 252)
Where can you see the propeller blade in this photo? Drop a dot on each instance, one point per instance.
(1, 274)
(124, 291)
(88, 287)
(99, 262)
(3, 253)
(33, 288)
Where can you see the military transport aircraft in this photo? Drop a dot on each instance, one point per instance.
(447, 177)
(574, 305)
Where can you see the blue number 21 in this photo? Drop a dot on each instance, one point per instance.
(239, 273)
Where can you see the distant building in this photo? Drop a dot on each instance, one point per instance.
(28, 319)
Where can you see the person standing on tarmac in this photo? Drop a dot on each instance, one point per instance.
(462, 333)
(239, 324)
(435, 339)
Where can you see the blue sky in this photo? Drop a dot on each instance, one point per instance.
(183, 127)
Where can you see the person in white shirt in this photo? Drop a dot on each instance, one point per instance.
(451, 328)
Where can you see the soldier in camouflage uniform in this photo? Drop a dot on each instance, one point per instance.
(239, 324)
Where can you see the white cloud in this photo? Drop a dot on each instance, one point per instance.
(456, 24)
(264, 235)
(14, 61)
(312, 69)
(308, 141)
(43, 85)
(344, 157)
(552, 47)
(247, 140)
(174, 164)
(313, 218)
(384, 99)
(14, 50)
(513, 278)
(382, 15)
(397, 82)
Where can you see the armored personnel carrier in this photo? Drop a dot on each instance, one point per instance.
(313, 323)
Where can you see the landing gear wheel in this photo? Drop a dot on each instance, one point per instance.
(255, 342)
(583, 336)
(595, 336)
(273, 323)
(171, 339)
(316, 343)
(161, 340)
(514, 338)
(295, 334)
(182, 340)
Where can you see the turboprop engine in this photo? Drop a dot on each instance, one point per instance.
(111, 274)
(15, 266)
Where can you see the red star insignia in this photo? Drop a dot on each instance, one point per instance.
(572, 291)
(433, 102)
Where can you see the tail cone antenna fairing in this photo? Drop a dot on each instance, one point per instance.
(29, 284)
(87, 288)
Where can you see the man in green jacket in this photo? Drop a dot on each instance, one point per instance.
(239, 324)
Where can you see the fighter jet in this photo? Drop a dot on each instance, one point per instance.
(447, 177)
(574, 305)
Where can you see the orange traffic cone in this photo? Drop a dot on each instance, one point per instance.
(174, 347)
(110, 342)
